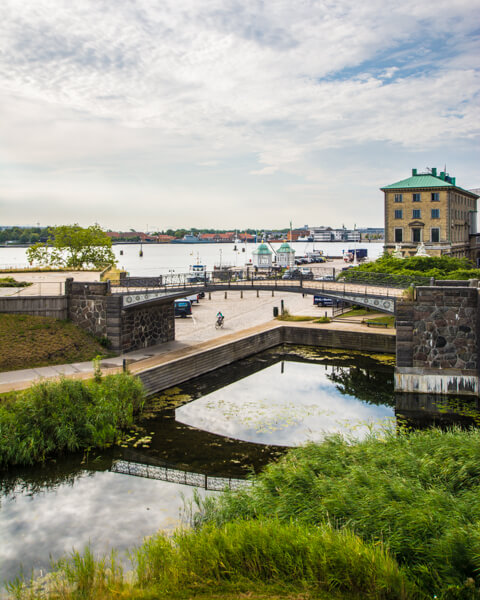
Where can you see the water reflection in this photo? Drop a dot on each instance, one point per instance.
(288, 404)
(104, 509)
(429, 410)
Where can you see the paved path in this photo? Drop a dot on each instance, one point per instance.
(243, 317)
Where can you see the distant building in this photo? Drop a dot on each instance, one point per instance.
(286, 256)
(430, 209)
(262, 257)
(321, 234)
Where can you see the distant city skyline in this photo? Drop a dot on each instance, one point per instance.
(223, 114)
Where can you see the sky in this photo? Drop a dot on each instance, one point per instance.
(157, 114)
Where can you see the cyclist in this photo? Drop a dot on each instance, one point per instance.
(220, 319)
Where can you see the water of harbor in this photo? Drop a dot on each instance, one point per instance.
(161, 259)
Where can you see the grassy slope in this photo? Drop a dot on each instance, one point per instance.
(27, 341)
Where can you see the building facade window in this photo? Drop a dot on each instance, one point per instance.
(435, 197)
(435, 213)
(416, 234)
(398, 234)
(398, 197)
(416, 213)
(399, 214)
(435, 234)
(417, 197)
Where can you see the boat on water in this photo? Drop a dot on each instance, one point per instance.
(189, 238)
(197, 273)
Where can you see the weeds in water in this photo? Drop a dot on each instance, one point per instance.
(53, 417)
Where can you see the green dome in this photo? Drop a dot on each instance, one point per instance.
(286, 248)
(262, 249)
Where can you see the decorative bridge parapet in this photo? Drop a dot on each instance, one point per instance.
(381, 299)
(131, 299)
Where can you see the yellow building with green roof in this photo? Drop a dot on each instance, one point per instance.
(429, 209)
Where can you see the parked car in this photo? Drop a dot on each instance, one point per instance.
(297, 274)
(325, 278)
(182, 307)
(322, 301)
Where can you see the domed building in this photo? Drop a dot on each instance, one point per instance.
(286, 256)
(262, 257)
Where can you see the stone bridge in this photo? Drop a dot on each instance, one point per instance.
(382, 299)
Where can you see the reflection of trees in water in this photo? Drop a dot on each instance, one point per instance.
(374, 387)
(52, 474)
(430, 410)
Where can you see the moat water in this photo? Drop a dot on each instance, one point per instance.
(206, 434)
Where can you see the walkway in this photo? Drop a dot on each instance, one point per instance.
(160, 354)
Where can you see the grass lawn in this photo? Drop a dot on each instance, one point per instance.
(27, 341)
(388, 319)
(357, 312)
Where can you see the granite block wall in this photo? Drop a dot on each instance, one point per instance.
(148, 325)
(445, 328)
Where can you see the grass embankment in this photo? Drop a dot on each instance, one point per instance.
(394, 516)
(53, 417)
(261, 559)
(28, 341)
(418, 493)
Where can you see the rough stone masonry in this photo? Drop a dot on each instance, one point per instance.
(437, 340)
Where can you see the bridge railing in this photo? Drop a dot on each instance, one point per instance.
(271, 277)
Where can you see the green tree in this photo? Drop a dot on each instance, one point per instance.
(75, 247)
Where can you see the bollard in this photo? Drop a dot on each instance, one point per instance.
(282, 308)
(225, 295)
(124, 365)
(273, 293)
(209, 295)
(241, 293)
(325, 314)
(258, 295)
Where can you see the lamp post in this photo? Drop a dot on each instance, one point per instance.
(355, 263)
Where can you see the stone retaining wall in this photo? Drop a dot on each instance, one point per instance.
(87, 305)
(180, 370)
(437, 340)
(41, 306)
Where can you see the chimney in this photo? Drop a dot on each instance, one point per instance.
(434, 171)
(414, 172)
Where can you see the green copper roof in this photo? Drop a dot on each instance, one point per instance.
(262, 249)
(285, 247)
(419, 181)
(423, 180)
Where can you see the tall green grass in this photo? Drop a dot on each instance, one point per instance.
(243, 553)
(53, 417)
(261, 559)
(418, 493)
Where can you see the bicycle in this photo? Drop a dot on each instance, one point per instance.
(219, 322)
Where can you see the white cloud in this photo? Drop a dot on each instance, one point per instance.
(132, 87)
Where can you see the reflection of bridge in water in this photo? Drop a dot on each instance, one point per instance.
(173, 475)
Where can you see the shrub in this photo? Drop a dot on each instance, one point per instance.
(53, 417)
